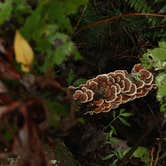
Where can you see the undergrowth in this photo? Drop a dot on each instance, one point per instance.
(69, 48)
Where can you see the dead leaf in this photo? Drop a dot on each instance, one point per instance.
(8, 71)
(23, 52)
(2, 48)
(3, 88)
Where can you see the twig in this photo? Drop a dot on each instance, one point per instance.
(115, 18)
(154, 27)
(157, 155)
(9, 108)
(109, 125)
(80, 18)
(152, 154)
(45, 82)
(4, 156)
(125, 159)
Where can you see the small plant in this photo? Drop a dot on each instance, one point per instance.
(118, 151)
(39, 41)
(155, 59)
(114, 156)
(121, 116)
(47, 25)
(120, 148)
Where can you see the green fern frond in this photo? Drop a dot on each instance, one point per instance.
(152, 7)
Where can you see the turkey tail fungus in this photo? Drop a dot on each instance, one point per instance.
(108, 91)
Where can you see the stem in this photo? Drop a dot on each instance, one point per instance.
(112, 122)
(115, 18)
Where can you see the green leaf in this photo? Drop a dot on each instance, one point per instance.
(77, 55)
(162, 44)
(159, 54)
(126, 114)
(44, 26)
(108, 156)
(155, 58)
(48, 63)
(124, 121)
(62, 52)
(122, 110)
(161, 92)
(119, 154)
(33, 23)
(163, 107)
(113, 130)
(20, 9)
(114, 162)
(71, 77)
(141, 153)
(110, 134)
(161, 84)
(163, 155)
(114, 114)
(82, 121)
(126, 151)
(79, 81)
(58, 11)
(5, 10)
(56, 110)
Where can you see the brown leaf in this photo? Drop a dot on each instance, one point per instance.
(8, 71)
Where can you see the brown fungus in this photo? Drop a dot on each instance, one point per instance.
(137, 67)
(108, 91)
(146, 76)
(98, 103)
(139, 84)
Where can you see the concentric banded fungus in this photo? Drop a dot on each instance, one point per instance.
(81, 96)
(108, 91)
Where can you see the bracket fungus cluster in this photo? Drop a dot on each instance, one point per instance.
(108, 91)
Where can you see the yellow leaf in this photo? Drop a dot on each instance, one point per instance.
(23, 52)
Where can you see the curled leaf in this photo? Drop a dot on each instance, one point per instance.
(23, 52)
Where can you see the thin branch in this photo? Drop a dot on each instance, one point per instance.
(46, 82)
(80, 18)
(152, 154)
(115, 18)
(127, 156)
(158, 153)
